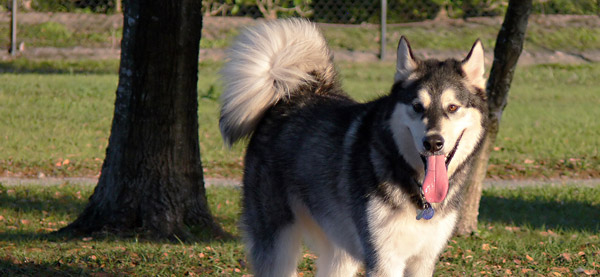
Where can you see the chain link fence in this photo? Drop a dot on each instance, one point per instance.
(97, 24)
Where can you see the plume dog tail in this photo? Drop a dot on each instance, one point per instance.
(267, 63)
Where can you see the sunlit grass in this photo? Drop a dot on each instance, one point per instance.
(57, 123)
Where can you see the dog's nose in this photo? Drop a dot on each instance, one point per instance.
(433, 143)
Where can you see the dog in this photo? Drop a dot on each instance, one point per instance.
(372, 185)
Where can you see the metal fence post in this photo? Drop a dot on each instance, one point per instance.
(383, 27)
(13, 29)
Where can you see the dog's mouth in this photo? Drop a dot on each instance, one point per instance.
(435, 184)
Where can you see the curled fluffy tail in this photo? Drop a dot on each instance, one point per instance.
(269, 62)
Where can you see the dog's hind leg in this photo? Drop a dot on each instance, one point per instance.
(335, 262)
(276, 254)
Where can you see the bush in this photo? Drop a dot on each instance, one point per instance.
(567, 7)
(94, 6)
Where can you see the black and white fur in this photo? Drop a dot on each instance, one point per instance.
(345, 175)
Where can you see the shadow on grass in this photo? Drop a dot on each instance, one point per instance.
(32, 206)
(541, 214)
(10, 267)
(27, 236)
(38, 204)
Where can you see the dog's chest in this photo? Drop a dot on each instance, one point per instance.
(398, 233)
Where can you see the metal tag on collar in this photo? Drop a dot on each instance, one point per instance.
(426, 213)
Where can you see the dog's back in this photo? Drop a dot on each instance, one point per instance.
(281, 87)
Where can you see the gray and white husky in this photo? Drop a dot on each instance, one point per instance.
(375, 185)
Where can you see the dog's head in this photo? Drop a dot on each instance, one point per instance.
(439, 114)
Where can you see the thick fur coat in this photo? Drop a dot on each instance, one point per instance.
(372, 185)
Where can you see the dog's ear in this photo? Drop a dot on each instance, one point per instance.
(474, 65)
(405, 61)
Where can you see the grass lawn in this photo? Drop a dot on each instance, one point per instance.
(55, 118)
(576, 34)
(545, 231)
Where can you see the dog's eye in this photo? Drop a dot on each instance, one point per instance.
(418, 107)
(453, 108)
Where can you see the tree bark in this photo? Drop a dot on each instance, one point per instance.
(151, 180)
(509, 45)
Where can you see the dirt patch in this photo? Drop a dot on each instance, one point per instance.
(527, 57)
(220, 182)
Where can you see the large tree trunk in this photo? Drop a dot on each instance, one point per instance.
(509, 45)
(151, 179)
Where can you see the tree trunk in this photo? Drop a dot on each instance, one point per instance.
(151, 179)
(509, 45)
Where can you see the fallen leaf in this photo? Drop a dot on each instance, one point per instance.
(512, 229)
(548, 233)
(566, 257)
(529, 258)
(560, 269)
(585, 271)
(310, 256)
(485, 247)
(525, 270)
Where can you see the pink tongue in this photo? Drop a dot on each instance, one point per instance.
(435, 186)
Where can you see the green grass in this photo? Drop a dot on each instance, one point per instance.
(570, 36)
(57, 122)
(535, 230)
(55, 34)
(439, 36)
(19, 66)
(550, 123)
